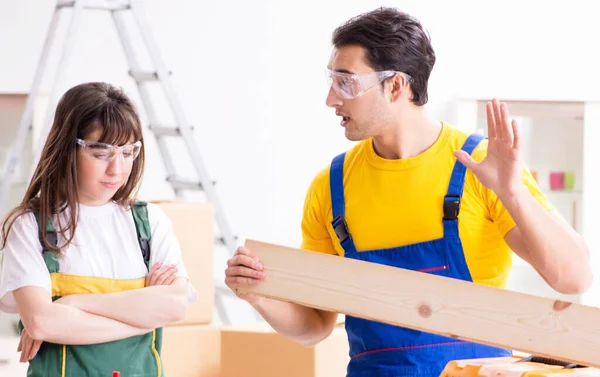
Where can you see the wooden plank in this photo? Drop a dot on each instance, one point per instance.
(435, 304)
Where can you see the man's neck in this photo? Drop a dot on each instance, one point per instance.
(410, 135)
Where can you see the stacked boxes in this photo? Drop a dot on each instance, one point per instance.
(193, 225)
(257, 350)
(192, 351)
(191, 348)
(199, 347)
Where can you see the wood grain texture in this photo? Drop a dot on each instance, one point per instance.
(435, 304)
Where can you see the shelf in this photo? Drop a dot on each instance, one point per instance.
(555, 137)
(563, 193)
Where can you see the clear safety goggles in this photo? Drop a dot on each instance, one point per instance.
(107, 152)
(352, 85)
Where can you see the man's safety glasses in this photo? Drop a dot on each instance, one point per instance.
(106, 152)
(352, 85)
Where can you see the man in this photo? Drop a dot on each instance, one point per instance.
(415, 193)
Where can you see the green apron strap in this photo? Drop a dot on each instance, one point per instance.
(142, 227)
(49, 256)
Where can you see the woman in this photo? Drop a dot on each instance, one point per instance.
(93, 273)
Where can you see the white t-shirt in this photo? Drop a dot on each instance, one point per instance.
(105, 245)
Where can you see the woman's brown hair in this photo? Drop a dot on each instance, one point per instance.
(83, 109)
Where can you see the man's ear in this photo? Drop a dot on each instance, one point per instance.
(398, 84)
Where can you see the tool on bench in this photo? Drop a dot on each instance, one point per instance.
(516, 366)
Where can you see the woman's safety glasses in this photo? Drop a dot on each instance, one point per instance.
(352, 85)
(106, 152)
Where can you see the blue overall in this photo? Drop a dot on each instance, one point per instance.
(382, 350)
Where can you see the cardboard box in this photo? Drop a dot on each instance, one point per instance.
(258, 351)
(11, 110)
(192, 351)
(193, 225)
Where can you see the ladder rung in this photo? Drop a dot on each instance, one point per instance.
(220, 241)
(223, 289)
(184, 184)
(97, 4)
(140, 76)
(165, 131)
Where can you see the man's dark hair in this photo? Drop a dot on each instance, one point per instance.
(393, 40)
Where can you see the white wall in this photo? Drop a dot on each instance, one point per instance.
(251, 78)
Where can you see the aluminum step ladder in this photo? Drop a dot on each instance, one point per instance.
(143, 79)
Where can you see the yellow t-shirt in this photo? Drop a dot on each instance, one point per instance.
(391, 203)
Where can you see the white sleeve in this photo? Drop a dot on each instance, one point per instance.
(164, 245)
(22, 262)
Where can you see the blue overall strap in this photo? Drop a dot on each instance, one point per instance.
(338, 206)
(455, 188)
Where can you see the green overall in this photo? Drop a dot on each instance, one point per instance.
(137, 356)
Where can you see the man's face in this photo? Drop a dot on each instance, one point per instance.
(363, 116)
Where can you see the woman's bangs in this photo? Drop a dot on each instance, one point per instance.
(119, 127)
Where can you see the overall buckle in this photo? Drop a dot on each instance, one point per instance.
(451, 207)
(52, 238)
(340, 228)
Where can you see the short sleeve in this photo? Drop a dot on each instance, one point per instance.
(315, 235)
(22, 262)
(164, 245)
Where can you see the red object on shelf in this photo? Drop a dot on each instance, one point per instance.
(116, 374)
(557, 180)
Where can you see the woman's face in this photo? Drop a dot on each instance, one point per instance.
(102, 169)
